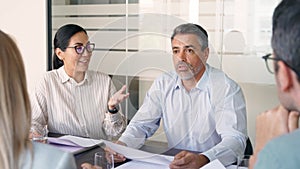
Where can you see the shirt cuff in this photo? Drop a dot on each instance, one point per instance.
(210, 155)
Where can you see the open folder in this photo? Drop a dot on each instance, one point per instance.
(74, 144)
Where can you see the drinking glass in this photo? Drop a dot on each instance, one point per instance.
(104, 160)
(41, 137)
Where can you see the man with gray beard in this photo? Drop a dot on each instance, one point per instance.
(201, 108)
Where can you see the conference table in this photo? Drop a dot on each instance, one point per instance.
(87, 156)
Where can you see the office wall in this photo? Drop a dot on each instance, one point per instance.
(26, 22)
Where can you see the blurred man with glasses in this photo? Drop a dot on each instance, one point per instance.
(277, 134)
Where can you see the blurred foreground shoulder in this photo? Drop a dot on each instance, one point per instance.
(48, 157)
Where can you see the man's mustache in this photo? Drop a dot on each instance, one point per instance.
(183, 63)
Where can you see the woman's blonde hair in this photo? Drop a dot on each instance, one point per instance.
(15, 111)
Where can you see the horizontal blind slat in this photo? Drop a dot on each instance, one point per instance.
(106, 9)
(97, 23)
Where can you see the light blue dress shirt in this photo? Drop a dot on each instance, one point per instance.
(211, 118)
(45, 156)
(281, 153)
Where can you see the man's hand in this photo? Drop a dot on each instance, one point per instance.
(186, 159)
(88, 166)
(117, 157)
(271, 124)
(117, 98)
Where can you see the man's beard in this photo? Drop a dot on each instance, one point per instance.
(189, 73)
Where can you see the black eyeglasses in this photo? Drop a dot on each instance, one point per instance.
(270, 65)
(80, 48)
(269, 60)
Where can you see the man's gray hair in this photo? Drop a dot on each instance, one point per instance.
(195, 29)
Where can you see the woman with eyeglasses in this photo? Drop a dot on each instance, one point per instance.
(16, 151)
(73, 100)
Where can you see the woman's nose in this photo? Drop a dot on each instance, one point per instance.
(86, 53)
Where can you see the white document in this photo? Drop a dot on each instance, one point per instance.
(74, 141)
(144, 165)
(215, 164)
(233, 167)
(139, 155)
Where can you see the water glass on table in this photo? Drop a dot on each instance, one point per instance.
(104, 160)
(39, 136)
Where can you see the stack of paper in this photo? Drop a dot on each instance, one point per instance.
(143, 165)
(140, 159)
(73, 144)
(146, 160)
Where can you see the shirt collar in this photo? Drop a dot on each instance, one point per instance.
(203, 82)
(65, 77)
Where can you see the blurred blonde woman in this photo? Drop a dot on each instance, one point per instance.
(16, 151)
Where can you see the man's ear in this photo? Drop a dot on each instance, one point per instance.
(284, 76)
(206, 53)
(59, 53)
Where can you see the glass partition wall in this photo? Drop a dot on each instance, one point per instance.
(132, 40)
